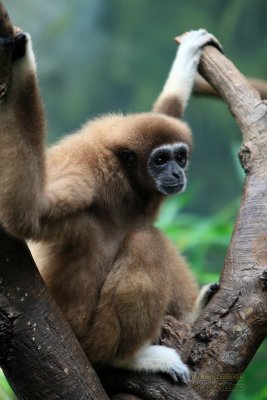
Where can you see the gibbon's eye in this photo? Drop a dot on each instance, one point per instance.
(161, 158)
(128, 158)
(181, 157)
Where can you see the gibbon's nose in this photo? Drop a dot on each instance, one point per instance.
(175, 170)
(175, 174)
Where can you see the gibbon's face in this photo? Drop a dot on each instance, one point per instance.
(166, 166)
(163, 170)
(154, 151)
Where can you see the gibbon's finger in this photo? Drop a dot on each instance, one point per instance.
(17, 30)
(179, 39)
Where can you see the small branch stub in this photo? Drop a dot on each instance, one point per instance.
(245, 157)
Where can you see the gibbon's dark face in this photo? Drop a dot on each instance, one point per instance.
(166, 166)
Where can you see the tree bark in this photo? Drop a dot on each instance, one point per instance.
(229, 331)
(203, 88)
(40, 355)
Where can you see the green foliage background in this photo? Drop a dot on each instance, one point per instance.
(97, 56)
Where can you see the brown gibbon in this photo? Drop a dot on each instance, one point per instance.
(87, 206)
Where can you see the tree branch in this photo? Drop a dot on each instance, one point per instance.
(40, 355)
(203, 88)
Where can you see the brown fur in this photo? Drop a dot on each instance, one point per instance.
(169, 105)
(91, 227)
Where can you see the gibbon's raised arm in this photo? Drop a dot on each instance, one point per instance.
(179, 84)
(22, 127)
(24, 202)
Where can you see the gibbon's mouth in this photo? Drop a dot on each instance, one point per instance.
(171, 188)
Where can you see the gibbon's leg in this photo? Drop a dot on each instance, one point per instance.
(177, 89)
(131, 308)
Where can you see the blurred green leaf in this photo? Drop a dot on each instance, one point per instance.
(6, 392)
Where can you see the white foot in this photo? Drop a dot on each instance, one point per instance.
(154, 358)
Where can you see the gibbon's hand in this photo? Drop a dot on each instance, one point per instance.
(17, 44)
(20, 44)
(12, 48)
(178, 86)
(199, 38)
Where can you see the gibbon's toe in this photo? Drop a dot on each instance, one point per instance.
(179, 374)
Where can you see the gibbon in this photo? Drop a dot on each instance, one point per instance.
(87, 206)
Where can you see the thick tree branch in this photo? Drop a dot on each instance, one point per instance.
(243, 100)
(203, 88)
(40, 355)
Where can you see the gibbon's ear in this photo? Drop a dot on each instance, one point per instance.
(128, 158)
(176, 92)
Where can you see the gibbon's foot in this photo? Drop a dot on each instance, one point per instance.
(212, 289)
(205, 295)
(207, 292)
(166, 360)
(196, 40)
(155, 358)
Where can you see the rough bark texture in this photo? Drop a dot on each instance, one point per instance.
(203, 88)
(40, 355)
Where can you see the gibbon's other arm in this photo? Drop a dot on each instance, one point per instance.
(178, 86)
(24, 202)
